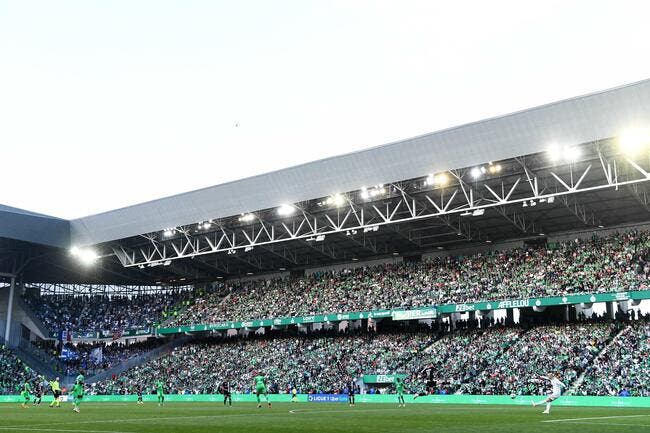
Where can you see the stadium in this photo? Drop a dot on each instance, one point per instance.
(446, 280)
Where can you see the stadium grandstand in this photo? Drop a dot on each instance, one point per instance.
(462, 263)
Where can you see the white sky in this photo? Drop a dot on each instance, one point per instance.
(109, 103)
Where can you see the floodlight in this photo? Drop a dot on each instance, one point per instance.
(571, 153)
(87, 256)
(554, 152)
(476, 172)
(74, 251)
(441, 179)
(286, 210)
(478, 212)
(633, 140)
(246, 217)
(168, 233)
(337, 200)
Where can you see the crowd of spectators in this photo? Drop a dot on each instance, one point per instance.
(93, 358)
(599, 264)
(567, 349)
(13, 372)
(459, 357)
(498, 360)
(624, 368)
(89, 313)
(311, 364)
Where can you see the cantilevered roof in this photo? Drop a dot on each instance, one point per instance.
(578, 120)
(24, 225)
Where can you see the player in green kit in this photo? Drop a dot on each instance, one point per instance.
(399, 390)
(78, 391)
(161, 393)
(25, 395)
(260, 388)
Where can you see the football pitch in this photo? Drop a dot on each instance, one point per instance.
(317, 417)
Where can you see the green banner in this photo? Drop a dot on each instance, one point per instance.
(415, 313)
(282, 321)
(381, 378)
(544, 302)
(420, 313)
(370, 398)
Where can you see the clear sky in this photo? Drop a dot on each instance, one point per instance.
(104, 104)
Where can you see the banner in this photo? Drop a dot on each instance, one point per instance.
(97, 355)
(545, 302)
(421, 313)
(327, 398)
(381, 378)
(100, 335)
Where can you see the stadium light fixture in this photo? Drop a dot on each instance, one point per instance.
(168, 233)
(86, 256)
(337, 200)
(494, 168)
(634, 140)
(571, 153)
(364, 193)
(286, 210)
(441, 179)
(476, 172)
(554, 152)
(204, 225)
(246, 217)
(478, 212)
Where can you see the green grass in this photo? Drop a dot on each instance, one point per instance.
(316, 417)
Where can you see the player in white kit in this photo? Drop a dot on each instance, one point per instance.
(557, 387)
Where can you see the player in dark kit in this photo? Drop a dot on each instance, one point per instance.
(140, 395)
(351, 393)
(38, 391)
(224, 389)
(427, 375)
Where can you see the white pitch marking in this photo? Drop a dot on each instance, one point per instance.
(608, 423)
(295, 411)
(21, 428)
(595, 418)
